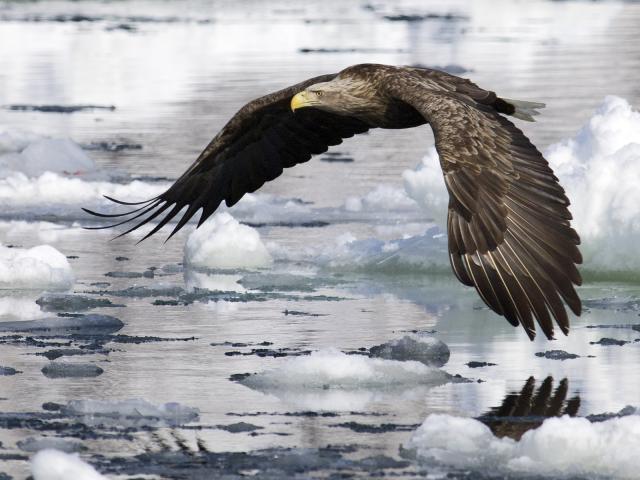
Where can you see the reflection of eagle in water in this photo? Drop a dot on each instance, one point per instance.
(508, 223)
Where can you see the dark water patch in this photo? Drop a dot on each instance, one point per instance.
(32, 444)
(308, 413)
(71, 370)
(608, 342)
(92, 349)
(8, 371)
(617, 304)
(58, 108)
(298, 313)
(474, 364)
(331, 462)
(122, 259)
(111, 146)
(415, 17)
(179, 296)
(270, 352)
(119, 19)
(632, 326)
(29, 341)
(352, 50)
(601, 417)
(381, 428)
(60, 302)
(450, 68)
(557, 355)
(280, 282)
(241, 344)
(336, 157)
(125, 27)
(239, 427)
(308, 224)
(145, 274)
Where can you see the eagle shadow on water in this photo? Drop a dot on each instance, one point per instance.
(508, 225)
(528, 409)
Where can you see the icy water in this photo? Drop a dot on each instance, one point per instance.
(351, 268)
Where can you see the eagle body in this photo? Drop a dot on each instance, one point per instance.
(508, 224)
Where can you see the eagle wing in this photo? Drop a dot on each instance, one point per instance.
(253, 148)
(508, 221)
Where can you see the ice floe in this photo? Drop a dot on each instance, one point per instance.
(40, 175)
(330, 368)
(85, 324)
(562, 447)
(224, 243)
(41, 267)
(50, 464)
(137, 411)
(599, 168)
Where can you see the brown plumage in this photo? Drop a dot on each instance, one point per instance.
(508, 224)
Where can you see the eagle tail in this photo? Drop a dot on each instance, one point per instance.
(525, 110)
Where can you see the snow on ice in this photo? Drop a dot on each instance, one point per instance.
(50, 464)
(331, 368)
(133, 410)
(562, 447)
(41, 267)
(224, 243)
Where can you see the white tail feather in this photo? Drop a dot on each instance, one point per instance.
(525, 110)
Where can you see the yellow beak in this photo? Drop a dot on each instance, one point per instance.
(299, 100)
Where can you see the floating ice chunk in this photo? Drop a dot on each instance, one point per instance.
(85, 324)
(599, 168)
(561, 447)
(132, 410)
(382, 198)
(421, 348)
(41, 267)
(60, 302)
(223, 243)
(51, 189)
(330, 368)
(32, 155)
(52, 464)
(71, 370)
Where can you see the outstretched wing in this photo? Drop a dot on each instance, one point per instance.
(258, 142)
(508, 224)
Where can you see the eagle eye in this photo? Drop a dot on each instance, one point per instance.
(318, 93)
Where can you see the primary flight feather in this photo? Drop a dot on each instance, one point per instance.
(508, 220)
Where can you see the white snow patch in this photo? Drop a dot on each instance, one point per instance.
(19, 308)
(19, 190)
(224, 243)
(598, 168)
(52, 464)
(41, 267)
(426, 186)
(331, 368)
(559, 448)
(382, 198)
